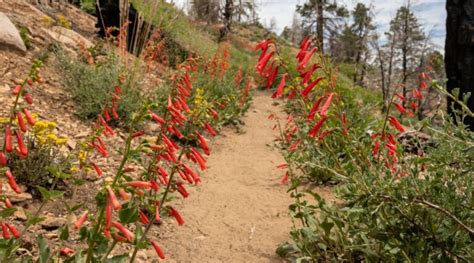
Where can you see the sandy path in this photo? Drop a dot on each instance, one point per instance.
(239, 212)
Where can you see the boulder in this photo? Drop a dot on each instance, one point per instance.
(9, 36)
(68, 37)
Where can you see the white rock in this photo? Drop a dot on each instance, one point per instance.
(9, 36)
(68, 37)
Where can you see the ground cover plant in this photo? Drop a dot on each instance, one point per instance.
(404, 188)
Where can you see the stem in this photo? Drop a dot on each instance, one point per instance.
(108, 251)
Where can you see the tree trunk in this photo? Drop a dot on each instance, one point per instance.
(459, 52)
(229, 7)
(320, 23)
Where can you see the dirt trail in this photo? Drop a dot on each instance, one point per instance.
(239, 212)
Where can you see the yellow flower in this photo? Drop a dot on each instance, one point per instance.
(61, 141)
(82, 156)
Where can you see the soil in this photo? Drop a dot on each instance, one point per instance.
(239, 213)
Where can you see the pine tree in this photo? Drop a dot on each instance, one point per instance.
(408, 38)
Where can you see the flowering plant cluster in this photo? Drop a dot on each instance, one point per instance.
(404, 188)
(158, 164)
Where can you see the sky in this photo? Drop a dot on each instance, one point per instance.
(431, 14)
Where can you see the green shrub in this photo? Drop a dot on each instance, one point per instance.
(88, 6)
(90, 86)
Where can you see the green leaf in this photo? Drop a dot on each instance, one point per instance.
(32, 220)
(48, 195)
(45, 253)
(128, 215)
(7, 212)
(64, 233)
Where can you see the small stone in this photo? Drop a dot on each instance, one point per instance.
(51, 222)
(17, 198)
(20, 214)
(10, 38)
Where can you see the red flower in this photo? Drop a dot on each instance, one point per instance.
(8, 139)
(307, 75)
(12, 182)
(396, 124)
(326, 104)
(21, 146)
(65, 251)
(81, 220)
(139, 184)
(203, 144)
(13, 230)
(143, 217)
(3, 159)
(157, 118)
(376, 148)
(324, 134)
(8, 203)
(314, 109)
(400, 108)
(158, 249)
(263, 62)
(123, 194)
(308, 89)
(138, 134)
(113, 199)
(278, 93)
(21, 122)
(5, 233)
(284, 180)
(177, 216)
(16, 90)
(127, 233)
(28, 116)
(306, 58)
(28, 98)
(272, 76)
(154, 185)
(317, 127)
(97, 169)
(210, 129)
(200, 160)
(182, 190)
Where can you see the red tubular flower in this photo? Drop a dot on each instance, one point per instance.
(376, 148)
(115, 114)
(138, 134)
(125, 196)
(139, 184)
(119, 237)
(154, 185)
(143, 218)
(12, 182)
(263, 62)
(157, 118)
(400, 96)
(278, 93)
(177, 216)
(106, 113)
(113, 199)
(16, 90)
(162, 171)
(263, 44)
(3, 159)
(314, 109)
(414, 106)
(304, 41)
(5, 233)
(308, 89)
(21, 146)
(182, 190)
(317, 127)
(199, 158)
(214, 114)
(324, 134)
(14, 231)
(417, 94)
(306, 58)
(29, 117)
(108, 214)
(396, 124)
(21, 122)
(192, 173)
(65, 251)
(8, 203)
(294, 146)
(8, 139)
(203, 143)
(158, 249)
(28, 98)
(400, 108)
(284, 180)
(81, 220)
(210, 129)
(177, 132)
(272, 76)
(97, 169)
(127, 233)
(326, 105)
(423, 85)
